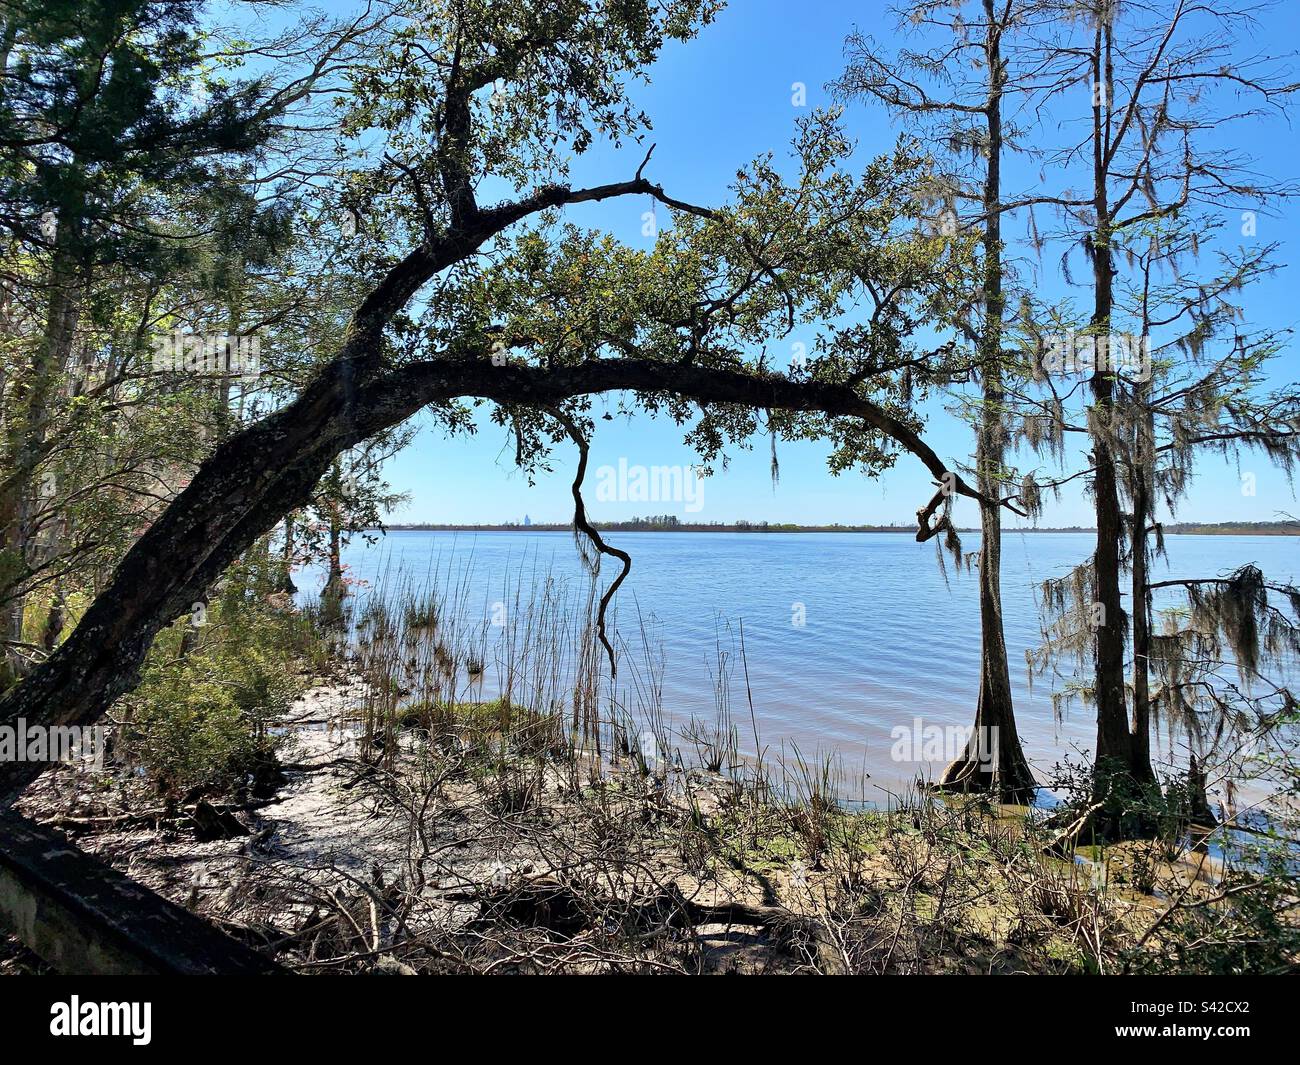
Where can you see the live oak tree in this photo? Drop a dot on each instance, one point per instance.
(452, 99)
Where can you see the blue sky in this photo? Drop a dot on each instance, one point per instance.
(716, 103)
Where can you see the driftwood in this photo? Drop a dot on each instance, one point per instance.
(154, 817)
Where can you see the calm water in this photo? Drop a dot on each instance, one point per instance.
(885, 638)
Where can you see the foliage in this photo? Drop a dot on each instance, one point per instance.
(200, 720)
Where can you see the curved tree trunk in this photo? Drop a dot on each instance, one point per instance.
(269, 469)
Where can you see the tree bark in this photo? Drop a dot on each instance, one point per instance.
(331, 597)
(32, 396)
(1009, 775)
(263, 472)
(1114, 747)
(286, 579)
(1140, 490)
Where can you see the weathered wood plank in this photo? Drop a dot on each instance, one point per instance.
(81, 916)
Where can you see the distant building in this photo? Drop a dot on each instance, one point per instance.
(527, 520)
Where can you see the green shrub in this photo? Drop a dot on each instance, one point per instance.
(200, 719)
(191, 734)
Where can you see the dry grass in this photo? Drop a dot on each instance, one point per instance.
(530, 816)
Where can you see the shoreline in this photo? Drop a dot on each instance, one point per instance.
(1188, 530)
(457, 845)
